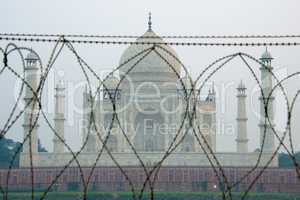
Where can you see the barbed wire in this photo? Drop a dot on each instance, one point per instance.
(190, 98)
(153, 37)
(116, 42)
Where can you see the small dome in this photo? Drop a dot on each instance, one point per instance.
(152, 62)
(111, 82)
(31, 56)
(266, 55)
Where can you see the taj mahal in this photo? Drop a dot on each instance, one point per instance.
(152, 101)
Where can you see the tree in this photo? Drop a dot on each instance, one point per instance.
(8, 149)
(286, 161)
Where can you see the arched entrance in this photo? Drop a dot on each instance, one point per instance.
(148, 134)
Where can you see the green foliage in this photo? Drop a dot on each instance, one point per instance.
(285, 160)
(8, 148)
(73, 186)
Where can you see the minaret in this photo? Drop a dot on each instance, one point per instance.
(59, 118)
(85, 114)
(214, 119)
(241, 140)
(211, 97)
(30, 125)
(209, 118)
(87, 128)
(266, 82)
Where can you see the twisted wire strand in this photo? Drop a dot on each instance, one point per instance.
(296, 164)
(110, 128)
(223, 176)
(25, 82)
(190, 116)
(30, 130)
(19, 95)
(156, 167)
(288, 128)
(177, 43)
(266, 101)
(202, 136)
(186, 114)
(151, 37)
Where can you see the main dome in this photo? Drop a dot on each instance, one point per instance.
(151, 62)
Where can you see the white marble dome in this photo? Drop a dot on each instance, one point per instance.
(152, 62)
(31, 56)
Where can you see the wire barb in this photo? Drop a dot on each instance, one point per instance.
(190, 114)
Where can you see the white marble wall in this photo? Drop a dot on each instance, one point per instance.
(129, 159)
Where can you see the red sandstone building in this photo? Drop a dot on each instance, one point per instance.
(179, 179)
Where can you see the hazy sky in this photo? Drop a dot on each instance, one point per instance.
(231, 17)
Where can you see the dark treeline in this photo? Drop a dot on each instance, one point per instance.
(8, 147)
(285, 160)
